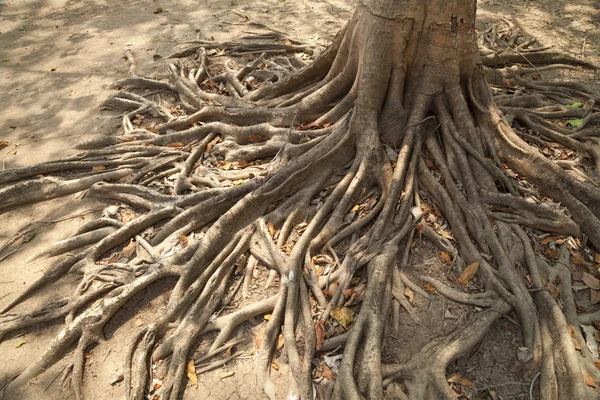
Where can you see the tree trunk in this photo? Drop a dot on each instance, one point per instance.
(397, 110)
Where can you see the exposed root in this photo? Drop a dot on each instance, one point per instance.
(291, 166)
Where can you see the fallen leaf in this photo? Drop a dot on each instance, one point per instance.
(446, 234)
(574, 105)
(573, 338)
(551, 254)
(429, 287)
(320, 333)
(211, 144)
(259, 337)
(591, 281)
(184, 241)
(256, 138)
(21, 343)
(243, 163)
(3, 144)
(594, 296)
(191, 373)
(597, 364)
(127, 215)
(139, 322)
(494, 395)
(158, 10)
(271, 229)
(176, 145)
(326, 372)
(129, 250)
(445, 257)
(575, 122)
(553, 291)
(468, 273)
(460, 379)
(238, 182)
(343, 315)
(597, 258)
(275, 365)
(280, 341)
(267, 317)
(547, 240)
(226, 374)
(578, 259)
(409, 294)
(332, 289)
(589, 381)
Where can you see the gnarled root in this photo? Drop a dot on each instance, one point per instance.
(334, 160)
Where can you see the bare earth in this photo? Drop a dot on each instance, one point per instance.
(59, 58)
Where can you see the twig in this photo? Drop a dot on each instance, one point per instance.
(531, 386)
(53, 379)
(219, 363)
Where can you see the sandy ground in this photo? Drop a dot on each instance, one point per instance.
(58, 59)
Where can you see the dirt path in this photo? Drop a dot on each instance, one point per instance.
(58, 59)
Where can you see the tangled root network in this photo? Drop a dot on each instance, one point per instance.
(283, 155)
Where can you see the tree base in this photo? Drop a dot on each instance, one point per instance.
(335, 159)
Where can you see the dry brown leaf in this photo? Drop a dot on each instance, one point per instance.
(597, 364)
(191, 373)
(3, 144)
(591, 281)
(429, 287)
(97, 168)
(597, 258)
(549, 239)
(275, 365)
(271, 229)
(184, 241)
(259, 337)
(551, 254)
(211, 144)
(127, 215)
(332, 289)
(589, 381)
(326, 372)
(446, 234)
(573, 338)
(129, 250)
(445, 257)
(409, 294)
(494, 395)
(176, 145)
(578, 259)
(594, 296)
(158, 10)
(256, 138)
(320, 333)
(468, 273)
(343, 315)
(553, 291)
(280, 341)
